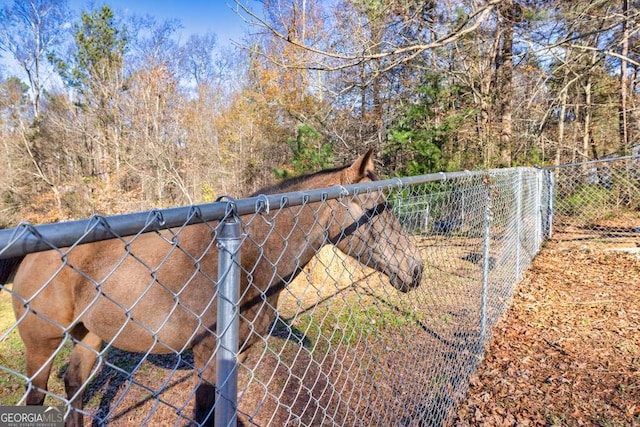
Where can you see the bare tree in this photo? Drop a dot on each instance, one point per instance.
(29, 31)
(396, 54)
(509, 13)
(196, 58)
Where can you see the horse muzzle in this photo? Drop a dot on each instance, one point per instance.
(408, 280)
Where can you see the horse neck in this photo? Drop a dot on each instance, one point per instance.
(287, 241)
(292, 236)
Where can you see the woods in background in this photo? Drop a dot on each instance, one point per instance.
(113, 115)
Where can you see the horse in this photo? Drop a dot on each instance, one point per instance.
(149, 294)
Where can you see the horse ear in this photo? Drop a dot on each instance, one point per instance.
(361, 168)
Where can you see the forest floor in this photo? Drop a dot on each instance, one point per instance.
(567, 352)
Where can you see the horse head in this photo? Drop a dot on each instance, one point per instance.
(364, 227)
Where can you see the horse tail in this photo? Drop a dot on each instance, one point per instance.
(8, 268)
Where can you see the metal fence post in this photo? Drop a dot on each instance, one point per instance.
(538, 211)
(485, 265)
(519, 196)
(551, 177)
(227, 326)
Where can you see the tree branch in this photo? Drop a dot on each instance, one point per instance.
(406, 53)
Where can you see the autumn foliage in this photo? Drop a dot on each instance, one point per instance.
(114, 113)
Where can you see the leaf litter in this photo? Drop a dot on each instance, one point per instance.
(567, 352)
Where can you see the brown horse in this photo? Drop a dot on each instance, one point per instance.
(152, 295)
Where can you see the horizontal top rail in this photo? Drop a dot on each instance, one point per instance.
(567, 165)
(26, 238)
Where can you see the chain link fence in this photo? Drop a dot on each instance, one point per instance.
(598, 199)
(325, 326)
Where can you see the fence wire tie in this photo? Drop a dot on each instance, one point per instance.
(194, 212)
(24, 228)
(155, 215)
(343, 193)
(399, 184)
(231, 208)
(262, 204)
(94, 222)
(21, 229)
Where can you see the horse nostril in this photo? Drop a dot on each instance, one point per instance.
(417, 274)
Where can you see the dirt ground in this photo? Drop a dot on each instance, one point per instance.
(567, 352)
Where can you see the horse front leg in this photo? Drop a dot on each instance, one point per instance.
(205, 402)
(83, 358)
(205, 361)
(206, 389)
(41, 341)
(39, 357)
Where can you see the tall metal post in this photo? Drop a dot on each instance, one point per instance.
(538, 209)
(519, 196)
(551, 177)
(485, 266)
(227, 327)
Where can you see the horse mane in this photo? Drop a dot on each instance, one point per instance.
(8, 268)
(288, 183)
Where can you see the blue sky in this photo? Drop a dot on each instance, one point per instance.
(196, 16)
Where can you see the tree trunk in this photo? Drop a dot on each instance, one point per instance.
(561, 122)
(506, 95)
(588, 109)
(624, 83)
(586, 134)
(509, 13)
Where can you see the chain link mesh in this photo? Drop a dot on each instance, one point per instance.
(598, 198)
(342, 345)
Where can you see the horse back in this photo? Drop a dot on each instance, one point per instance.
(155, 285)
